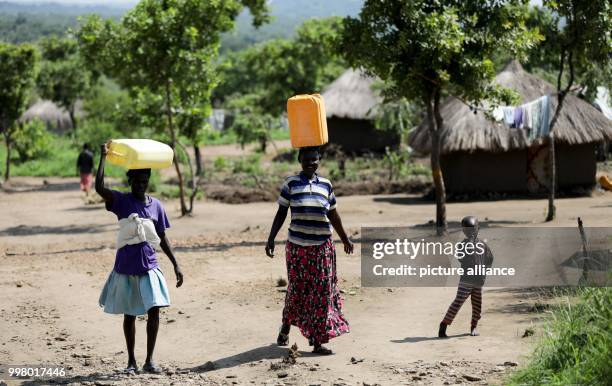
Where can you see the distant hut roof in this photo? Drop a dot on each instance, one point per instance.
(351, 96)
(52, 115)
(579, 122)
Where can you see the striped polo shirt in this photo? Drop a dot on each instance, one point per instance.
(310, 201)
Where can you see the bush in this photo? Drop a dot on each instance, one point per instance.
(249, 165)
(577, 345)
(220, 163)
(32, 140)
(96, 133)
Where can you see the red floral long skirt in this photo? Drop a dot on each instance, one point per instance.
(313, 301)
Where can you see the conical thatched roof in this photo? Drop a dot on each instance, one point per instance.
(351, 96)
(579, 122)
(52, 115)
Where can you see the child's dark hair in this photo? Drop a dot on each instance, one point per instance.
(134, 172)
(469, 221)
(303, 150)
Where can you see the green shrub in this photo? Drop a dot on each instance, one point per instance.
(577, 345)
(96, 133)
(249, 165)
(32, 140)
(220, 163)
(213, 137)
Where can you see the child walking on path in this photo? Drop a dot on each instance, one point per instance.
(136, 285)
(313, 301)
(469, 285)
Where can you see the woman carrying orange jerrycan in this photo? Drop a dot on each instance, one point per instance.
(313, 301)
(136, 285)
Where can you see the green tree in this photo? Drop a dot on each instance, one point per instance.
(63, 77)
(252, 122)
(431, 48)
(579, 39)
(18, 64)
(257, 82)
(164, 51)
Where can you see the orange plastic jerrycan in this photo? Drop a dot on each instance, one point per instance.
(307, 121)
(139, 154)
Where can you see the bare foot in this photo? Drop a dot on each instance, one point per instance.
(151, 367)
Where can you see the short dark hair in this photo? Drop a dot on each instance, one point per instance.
(86, 146)
(303, 150)
(469, 221)
(134, 172)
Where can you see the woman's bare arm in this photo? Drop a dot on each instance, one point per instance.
(103, 191)
(279, 219)
(336, 222)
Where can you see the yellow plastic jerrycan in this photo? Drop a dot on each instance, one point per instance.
(139, 154)
(307, 120)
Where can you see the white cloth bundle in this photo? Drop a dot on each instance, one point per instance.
(135, 230)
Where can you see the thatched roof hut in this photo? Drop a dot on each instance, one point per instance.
(55, 117)
(351, 96)
(473, 143)
(350, 103)
(579, 122)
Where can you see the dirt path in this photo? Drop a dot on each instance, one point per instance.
(235, 150)
(56, 254)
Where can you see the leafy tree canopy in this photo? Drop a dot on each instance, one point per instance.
(18, 64)
(272, 72)
(423, 45)
(64, 78)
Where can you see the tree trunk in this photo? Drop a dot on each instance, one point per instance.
(561, 94)
(177, 167)
(7, 141)
(435, 128)
(73, 120)
(553, 178)
(195, 179)
(198, 160)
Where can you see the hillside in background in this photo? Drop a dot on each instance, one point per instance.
(29, 22)
(287, 15)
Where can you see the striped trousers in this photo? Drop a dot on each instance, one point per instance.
(463, 292)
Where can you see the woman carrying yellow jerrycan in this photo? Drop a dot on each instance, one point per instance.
(136, 285)
(313, 301)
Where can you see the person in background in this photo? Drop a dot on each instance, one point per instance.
(313, 301)
(85, 164)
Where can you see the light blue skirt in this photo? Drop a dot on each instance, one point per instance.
(134, 294)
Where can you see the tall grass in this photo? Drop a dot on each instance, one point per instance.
(576, 348)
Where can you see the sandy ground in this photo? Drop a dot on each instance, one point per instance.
(56, 253)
